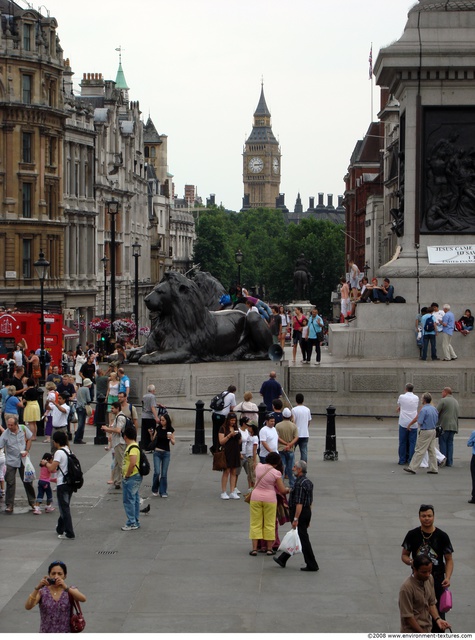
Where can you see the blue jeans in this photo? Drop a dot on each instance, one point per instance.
(79, 435)
(446, 446)
(131, 498)
(161, 460)
(433, 348)
(406, 439)
(65, 522)
(303, 446)
(44, 487)
(287, 458)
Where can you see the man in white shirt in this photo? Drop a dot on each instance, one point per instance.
(302, 417)
(64, 528)
(268, 437)
(59, 415)
(407, 406)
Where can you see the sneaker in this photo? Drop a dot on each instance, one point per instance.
(130, 527)
(36, 511)
(49, 509)
(236, 490)
(224, 496)
(443, 462)
(234, 496)
(164, 495)
(63, 536)
(155, 494)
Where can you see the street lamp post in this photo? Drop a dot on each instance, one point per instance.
(238, 256)
(136, 247)
(42, 266)
(112, 208)
(104, 261)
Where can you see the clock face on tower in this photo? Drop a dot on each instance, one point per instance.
(275, 165)
(256, 165)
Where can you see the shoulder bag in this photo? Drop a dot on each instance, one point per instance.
(77, 622)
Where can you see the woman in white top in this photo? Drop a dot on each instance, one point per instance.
(81, 358)
(247, 408)
(285, 318)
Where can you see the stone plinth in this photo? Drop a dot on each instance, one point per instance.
(387, 332)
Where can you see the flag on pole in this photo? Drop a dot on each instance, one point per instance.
(370, 60)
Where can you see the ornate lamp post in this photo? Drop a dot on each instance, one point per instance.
(239, 256)
(42, 266)
(112, 208)
(104, 261)
(136, 247)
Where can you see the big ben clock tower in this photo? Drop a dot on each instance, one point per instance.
(261, 161)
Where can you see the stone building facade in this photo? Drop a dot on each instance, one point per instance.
(32, 120)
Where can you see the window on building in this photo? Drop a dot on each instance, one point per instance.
(50, 151)
(146, 152)
(27, 37)
(26, 200)
(27, 141)
(26, 88)
(26, 259)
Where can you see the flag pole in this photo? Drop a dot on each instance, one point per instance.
(370, 60)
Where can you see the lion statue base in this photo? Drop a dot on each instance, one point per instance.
(184, 330)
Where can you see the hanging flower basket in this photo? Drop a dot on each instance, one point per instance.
(79, 326)
(124, 328)
(99, 325)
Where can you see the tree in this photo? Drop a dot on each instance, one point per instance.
(271, 247)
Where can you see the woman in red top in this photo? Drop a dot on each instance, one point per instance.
(297, 326)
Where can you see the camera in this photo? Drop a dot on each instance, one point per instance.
(51, 581)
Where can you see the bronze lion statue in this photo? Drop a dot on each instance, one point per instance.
(184, 330)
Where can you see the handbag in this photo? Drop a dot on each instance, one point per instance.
(445, 603)
(88, 410)
(77, 622)
(219, 460)
(283, 511)
(74, 417)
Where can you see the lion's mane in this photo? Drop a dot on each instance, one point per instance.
(185, 319)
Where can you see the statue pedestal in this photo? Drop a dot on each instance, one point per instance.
(305, 304)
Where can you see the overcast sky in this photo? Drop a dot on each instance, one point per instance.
(196, 66)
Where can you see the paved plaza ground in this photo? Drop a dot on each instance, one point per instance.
(188, 570)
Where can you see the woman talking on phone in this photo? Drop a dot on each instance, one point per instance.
(53, 595)
(161, 437)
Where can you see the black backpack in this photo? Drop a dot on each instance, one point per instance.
(144, 465)
(429, 325)
(217, 403)
(75, 477)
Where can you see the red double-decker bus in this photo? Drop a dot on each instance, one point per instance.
(19, 324)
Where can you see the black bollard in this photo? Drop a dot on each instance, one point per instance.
(330, 452)
(100, 419)
(199, 446)
(262, 414)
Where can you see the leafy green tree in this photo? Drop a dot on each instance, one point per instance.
(271, 247)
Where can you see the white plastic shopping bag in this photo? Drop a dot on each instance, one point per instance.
(29, 473)
(291, 543)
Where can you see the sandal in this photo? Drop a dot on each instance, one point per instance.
(253, 553)
(271, 553)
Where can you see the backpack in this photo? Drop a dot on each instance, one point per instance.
(217, 403)
(144, 465)
(429, 325)
(75, 477)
